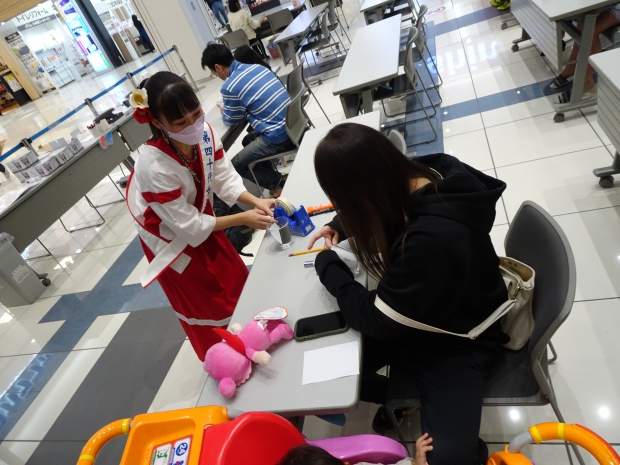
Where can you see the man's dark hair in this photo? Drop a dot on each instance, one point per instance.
(216, 54)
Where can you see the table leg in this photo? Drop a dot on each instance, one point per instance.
(298, 422)
(367, 101)
(585, 45)
(291, 47)
(350, 104)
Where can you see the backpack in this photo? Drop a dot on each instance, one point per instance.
(239, 236)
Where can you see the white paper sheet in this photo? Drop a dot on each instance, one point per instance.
(331, 363)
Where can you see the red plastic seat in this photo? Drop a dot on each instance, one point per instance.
(255, 438)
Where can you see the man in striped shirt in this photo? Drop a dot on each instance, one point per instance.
(255, 93)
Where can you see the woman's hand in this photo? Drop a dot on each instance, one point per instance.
(262, 18)
(265, 205)
(329, 234)
(256, 219)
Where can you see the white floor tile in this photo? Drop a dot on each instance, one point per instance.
(447, 39)
(27, 335)
(593, 237)
(183, 384)
(561, 184)
(134, 277)
(101, 332)
(457, 91)
(591, 115)
(490, 26)
(119, 230)
(539, 137)
(511, 76)
(457, 126)
(471, 148)
(9, 316)
(48, 405)
(518, 111)
(11, 368)
(16, 452)
(493, 50)
(84, 271)
(465, 8)
(452, 62)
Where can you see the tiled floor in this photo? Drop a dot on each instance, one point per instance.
(95, 320)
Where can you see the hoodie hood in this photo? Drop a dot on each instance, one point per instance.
(464, 194)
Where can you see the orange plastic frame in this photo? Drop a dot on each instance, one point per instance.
(577, 434)
(149, 430)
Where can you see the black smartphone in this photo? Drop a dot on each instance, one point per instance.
(320, 325)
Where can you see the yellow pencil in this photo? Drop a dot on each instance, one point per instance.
(305, 252)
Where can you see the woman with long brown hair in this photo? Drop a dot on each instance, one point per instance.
(421, 227)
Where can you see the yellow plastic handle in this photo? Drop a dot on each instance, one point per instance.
(101, 438)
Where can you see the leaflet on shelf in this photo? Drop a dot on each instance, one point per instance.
(23, 162)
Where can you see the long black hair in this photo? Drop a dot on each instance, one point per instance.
(234, 6)
(245, 54)
(170, 97)
(369, 182)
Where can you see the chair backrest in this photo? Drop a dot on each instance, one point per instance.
(420, 20)
(234, 40)
(295, 83)
(280, 20)
(331, 13)
(398, 140)
(325, 29)
(256, 437)
(536, 239)
(409, 64)
(296, 120)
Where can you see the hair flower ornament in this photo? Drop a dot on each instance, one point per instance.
(139, 101)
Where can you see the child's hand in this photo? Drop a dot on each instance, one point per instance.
(422, 446)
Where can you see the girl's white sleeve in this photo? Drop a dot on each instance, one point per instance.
(167, 200)
(254, 24)
(227, 183)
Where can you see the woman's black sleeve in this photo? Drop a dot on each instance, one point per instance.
(335, 224)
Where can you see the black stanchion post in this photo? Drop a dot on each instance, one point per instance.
(28, 144)
(130, 79)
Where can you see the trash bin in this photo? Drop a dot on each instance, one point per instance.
(19, 284)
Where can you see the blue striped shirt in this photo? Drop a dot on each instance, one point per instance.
(256, 92)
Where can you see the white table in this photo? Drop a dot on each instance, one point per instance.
(298, 28)
(607, 64)
(372, 59)
(276, 279)
(374, 6)
(544, 22)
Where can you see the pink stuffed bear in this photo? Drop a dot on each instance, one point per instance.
(230, 361)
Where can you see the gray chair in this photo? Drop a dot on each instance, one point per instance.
(613, 35)
(334, 22)
(296, 125)
(405, 85)
(322, 41)
(398, 140)
(280, 20)
(296, 84)
(234, 40)
(522, 377)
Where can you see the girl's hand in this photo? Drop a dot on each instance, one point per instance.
(422, 447)
(265, 205)
(330, 235)
(256, 219)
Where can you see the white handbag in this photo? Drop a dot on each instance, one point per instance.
(518, 320)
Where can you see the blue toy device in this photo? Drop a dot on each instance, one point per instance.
(298, 219)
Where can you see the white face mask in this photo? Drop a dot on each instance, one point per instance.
(191, 135)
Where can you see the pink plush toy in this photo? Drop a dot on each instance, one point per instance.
(230, 361)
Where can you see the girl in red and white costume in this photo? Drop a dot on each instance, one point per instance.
(170, 195)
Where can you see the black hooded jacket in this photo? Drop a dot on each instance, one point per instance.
(445, 273)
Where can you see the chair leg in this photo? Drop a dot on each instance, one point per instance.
(401, 436)
(428, 118)
(555, 354)
(435, 86)
(439, 79)
(344, 16)
(251, 168)
(344, 32)
(558, 414)
(319, 104)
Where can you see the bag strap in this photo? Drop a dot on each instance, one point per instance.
(473, 334)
